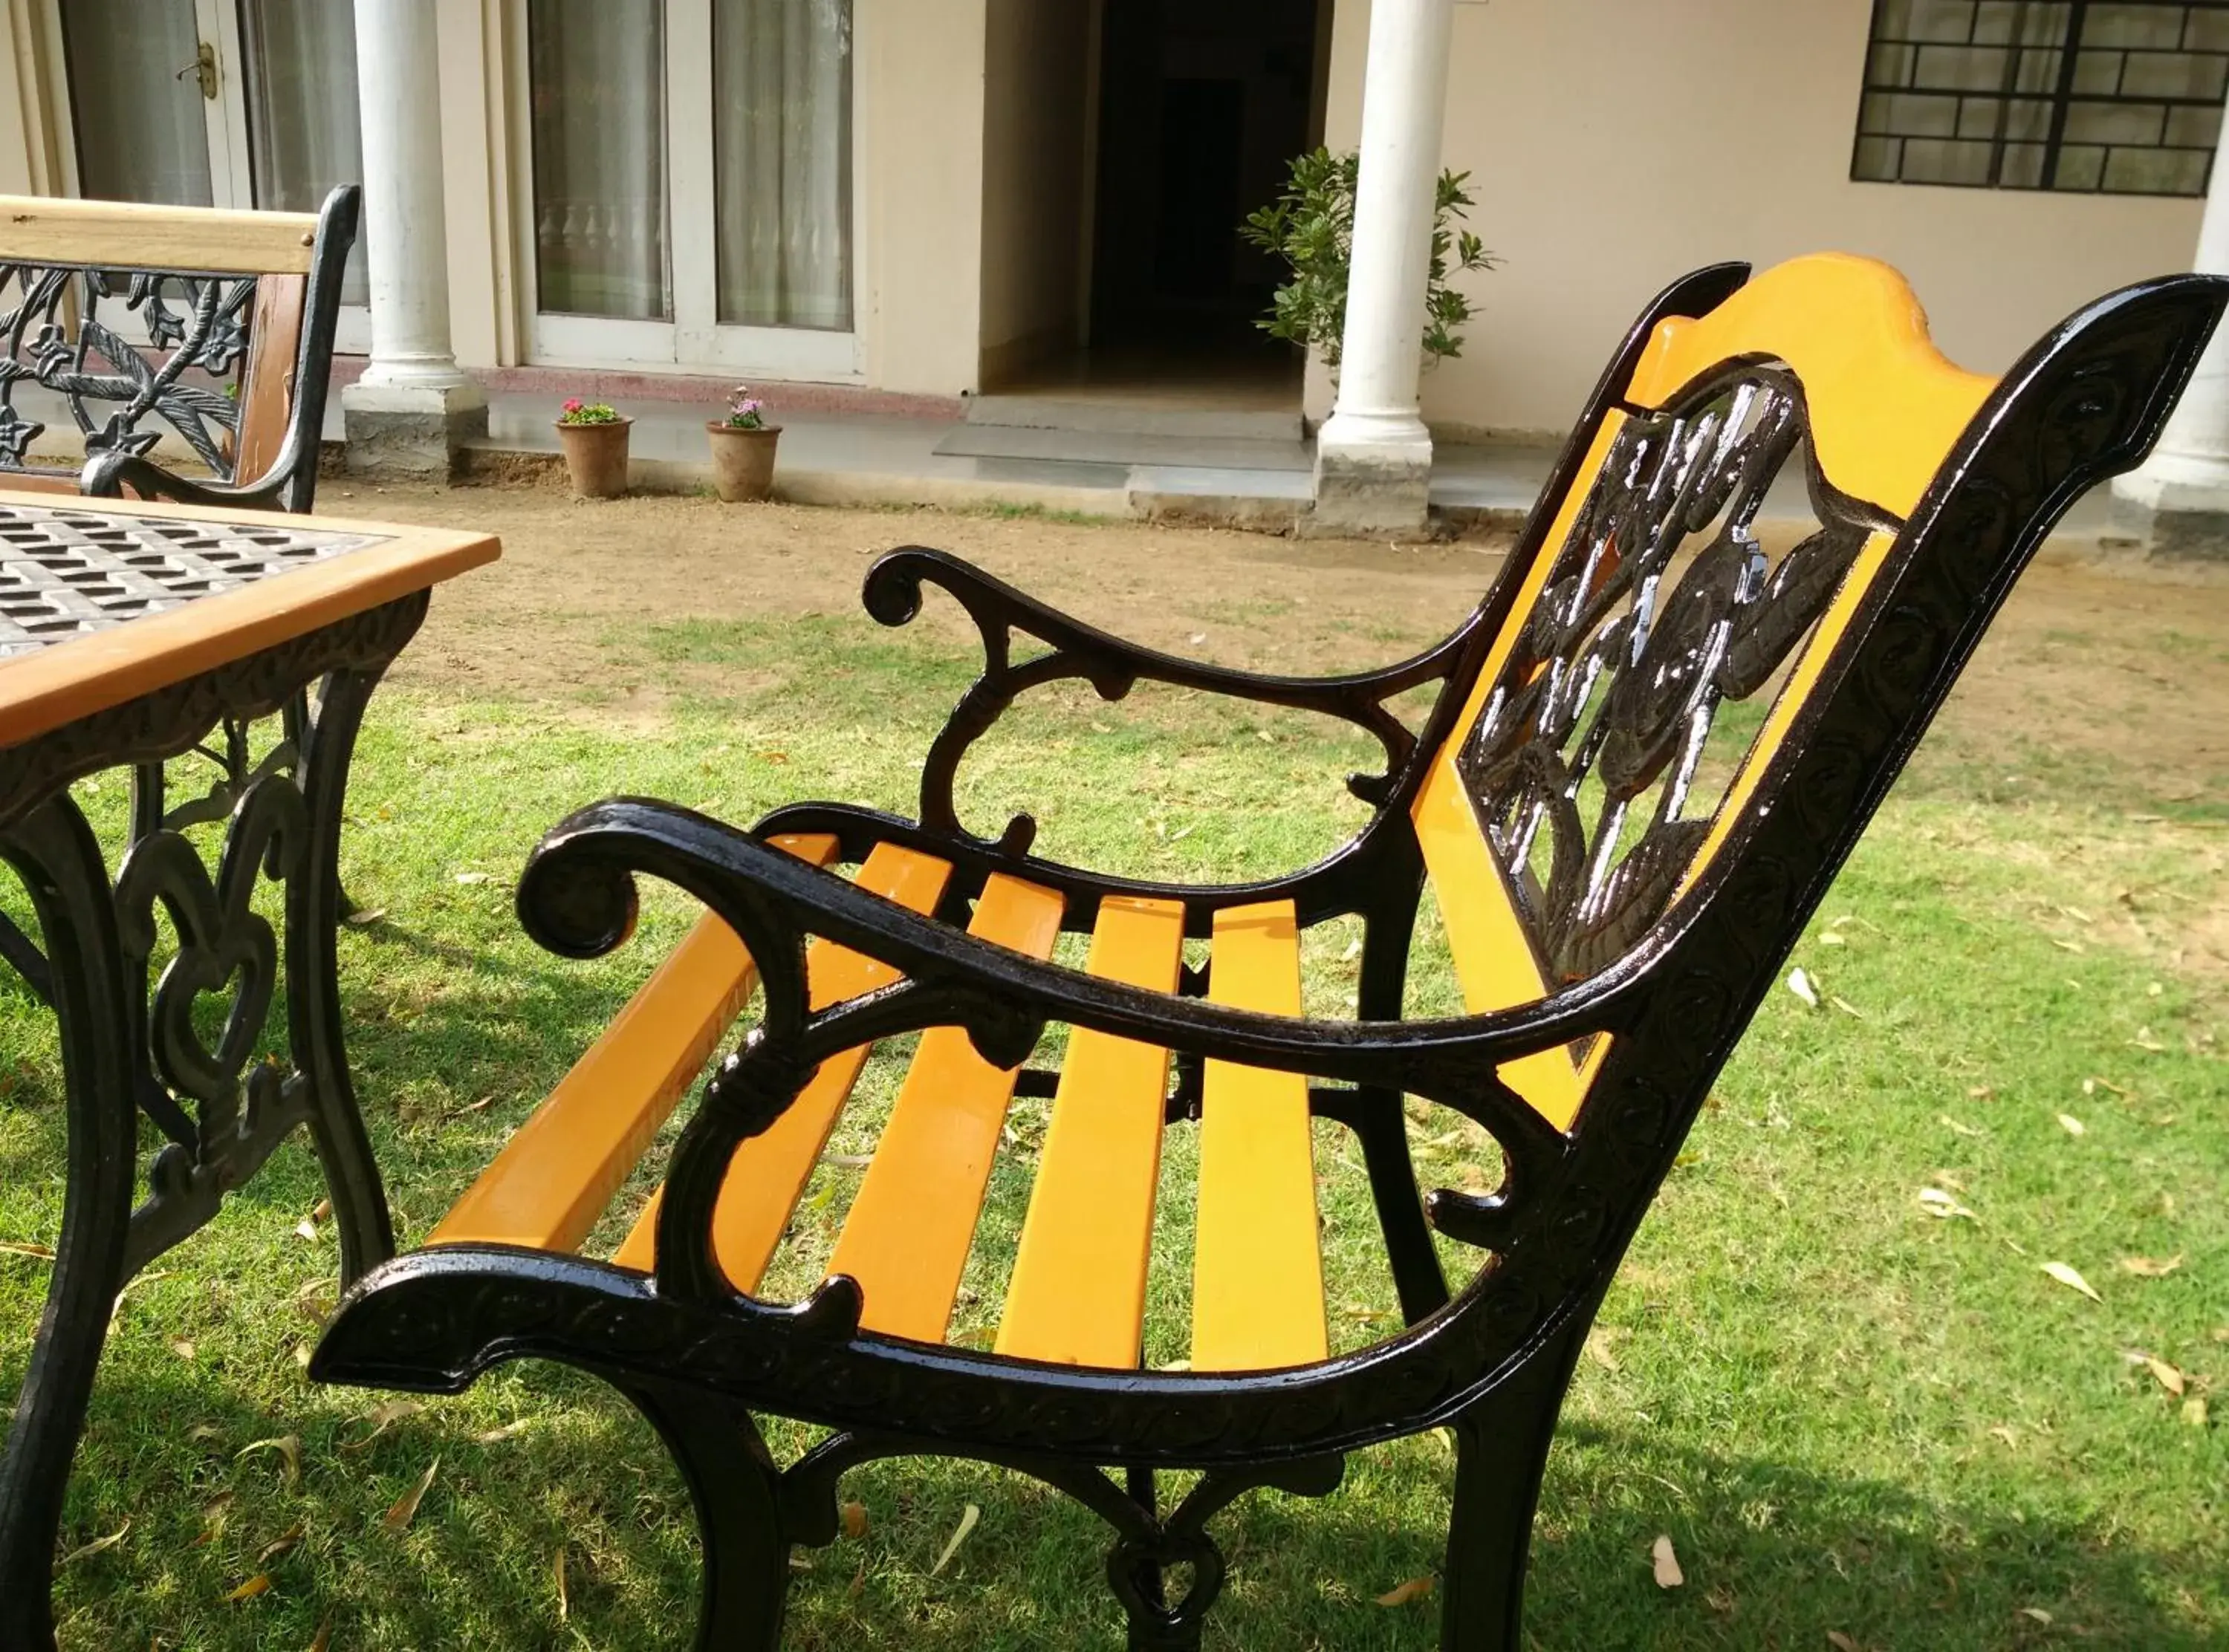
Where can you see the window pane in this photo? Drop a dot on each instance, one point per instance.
(782, 100)
(1942, 20)
(2208, 31)
(302, 132)
(1876, 160)
(1931, 161)
(2156, 171)
(2038, 71)
(1964, 68)
(2097, 73)
(2078, 168)
(2193, 128)
(598, 86)
(140, 132)
(2173, 74)
(2023, 167)
(2157, 26)
(1888, 66)
(1909, 115)
(2114, 123)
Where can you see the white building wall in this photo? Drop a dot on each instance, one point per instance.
(1615, 144)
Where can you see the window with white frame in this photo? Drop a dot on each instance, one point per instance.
(691, 164)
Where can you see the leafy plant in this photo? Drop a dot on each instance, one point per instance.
(1311, 226)
(745, 411)
(577, 412)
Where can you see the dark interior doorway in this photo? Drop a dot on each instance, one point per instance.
(1202, 104)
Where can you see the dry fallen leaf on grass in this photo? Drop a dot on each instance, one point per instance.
(404, 1509)
(182, 1348)
(383, 1418)
(1401, 1593)
(1842, 1642)
(967, 1520)
(288, 1446)
(557, 1576)
(278, 1544)
(324, 1637)
(2071, 1280)
(1599, 1350)
(1665, 1565)
(2006, 1433)
(2193, 1411)
(1954, 1127)
(2165, 1374)
(2145, 1267)
(1800, 984)
(2070, 1125)
(213, 1513)
(475, 877)
(1941, 1206)
(365, 917)
(2036, 1612)
(854, 1518)
(99, 1545)
(508, 1432)
(36, 1252)
(248, 1591)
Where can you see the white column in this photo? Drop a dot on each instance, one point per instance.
(413, 406)
(2188, 474)
(1373, 455)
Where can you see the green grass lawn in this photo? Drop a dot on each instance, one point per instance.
(1853, 1417)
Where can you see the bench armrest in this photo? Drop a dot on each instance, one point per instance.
(1112, 666)
(110, 473)
(577, 898)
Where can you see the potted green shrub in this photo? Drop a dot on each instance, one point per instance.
(594, 440)
(742, 449)
(1311, 227)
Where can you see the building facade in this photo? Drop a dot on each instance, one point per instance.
(930, 198)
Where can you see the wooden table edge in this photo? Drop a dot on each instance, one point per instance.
(43, 691)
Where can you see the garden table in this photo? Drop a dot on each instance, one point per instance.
(131, 633)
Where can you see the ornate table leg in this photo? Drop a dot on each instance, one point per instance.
(124, 1053)
(60, 861)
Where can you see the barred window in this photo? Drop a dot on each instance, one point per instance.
(2118, 99)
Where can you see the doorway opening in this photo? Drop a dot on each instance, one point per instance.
(1202, 105)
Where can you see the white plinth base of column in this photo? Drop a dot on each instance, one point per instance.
(1373, 477)
(408, 430)
(2176, 506)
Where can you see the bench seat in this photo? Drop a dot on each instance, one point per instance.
(1078, 1290)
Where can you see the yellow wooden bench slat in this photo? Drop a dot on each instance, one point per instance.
(1077, 1296)
(769, 1172)
(1257, 1267)
(561, 1168)
(907, 1235)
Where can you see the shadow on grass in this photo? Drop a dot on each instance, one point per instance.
(1776, 1555)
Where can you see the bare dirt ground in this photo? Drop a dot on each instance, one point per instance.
(2129, 672)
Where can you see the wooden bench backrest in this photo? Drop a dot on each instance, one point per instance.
(1557, 819)
(143, 316)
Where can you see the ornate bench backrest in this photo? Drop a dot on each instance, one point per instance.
(216, 325)
(1593, 775)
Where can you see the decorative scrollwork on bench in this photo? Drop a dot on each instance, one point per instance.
(1113, 667)
(1638, 639)
(195, 324)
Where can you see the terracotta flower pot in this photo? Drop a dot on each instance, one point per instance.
(742, 460)
(596, 458)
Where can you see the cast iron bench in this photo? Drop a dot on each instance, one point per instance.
(1616, 899)
(215, 327)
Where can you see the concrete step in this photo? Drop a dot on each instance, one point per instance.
(1124, 447)
(1129, 416)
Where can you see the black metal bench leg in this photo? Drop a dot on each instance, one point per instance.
(737, 1488)
(1501, 1450)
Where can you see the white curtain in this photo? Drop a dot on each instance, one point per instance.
(141, 135)
(782, 130)
(303, 133)
(598, 74)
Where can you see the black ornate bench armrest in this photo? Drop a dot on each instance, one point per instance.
(1112, 666)
(112, 475)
